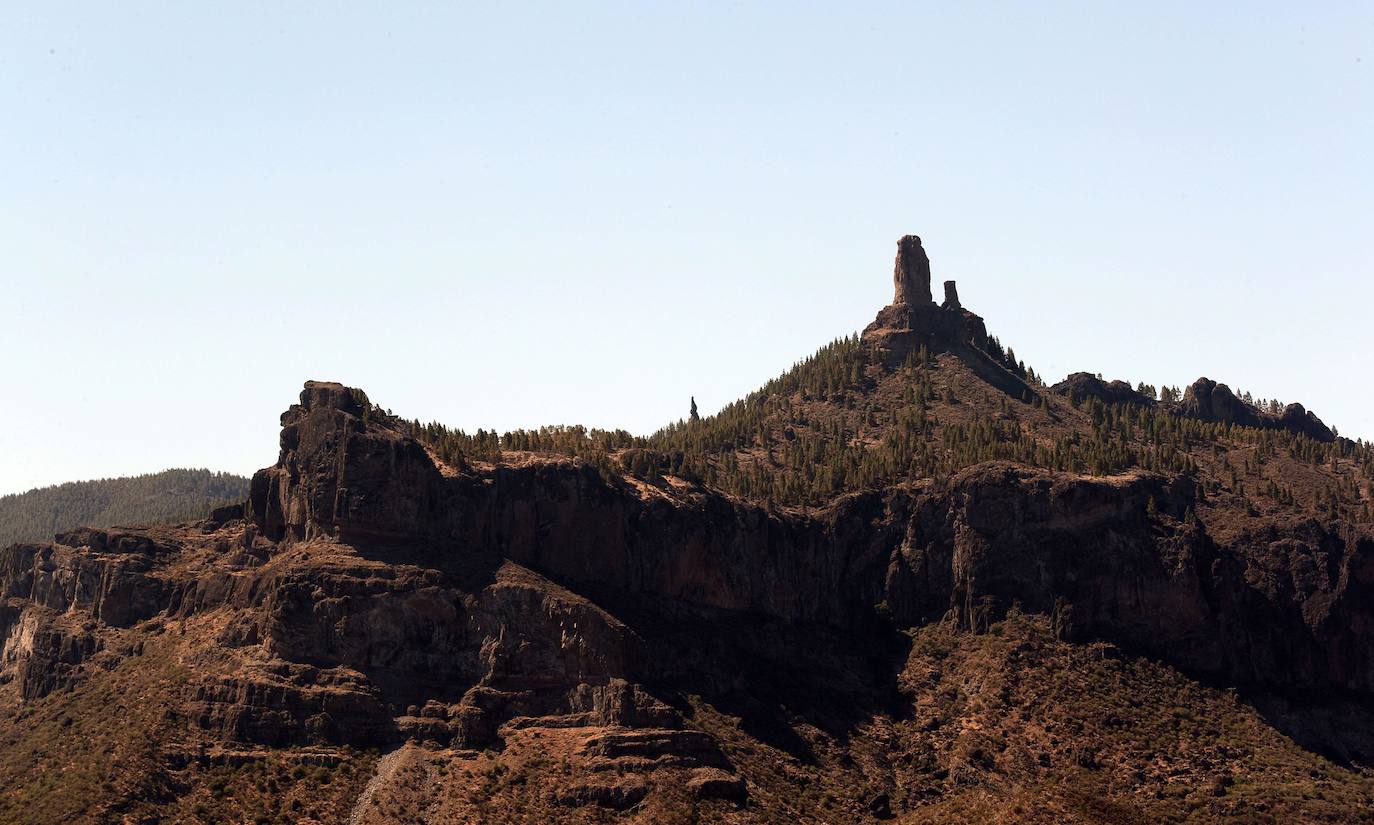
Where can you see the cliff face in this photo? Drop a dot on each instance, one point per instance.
(1123, 560)
(1116, 558)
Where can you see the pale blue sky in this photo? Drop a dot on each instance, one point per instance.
(546, 213)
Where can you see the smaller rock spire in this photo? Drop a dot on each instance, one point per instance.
(951, 296)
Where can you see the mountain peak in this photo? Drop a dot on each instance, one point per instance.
(914, 321)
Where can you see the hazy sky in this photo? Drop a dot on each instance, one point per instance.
(587, 213)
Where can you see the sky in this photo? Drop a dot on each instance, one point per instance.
(507, 215)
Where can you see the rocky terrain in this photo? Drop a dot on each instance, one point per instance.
(387, 632)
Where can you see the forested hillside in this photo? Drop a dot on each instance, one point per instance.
(841, 421)
(154, 498)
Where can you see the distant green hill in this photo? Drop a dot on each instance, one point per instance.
(166, 497)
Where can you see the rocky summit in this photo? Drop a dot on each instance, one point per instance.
(905, 581)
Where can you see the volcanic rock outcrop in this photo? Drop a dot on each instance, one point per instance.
(911, 273)
(1205, 400)
(951, 296)
(914, 321)
(1083, 385)
(1209, 401)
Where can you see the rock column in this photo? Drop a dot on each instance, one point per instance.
(951, 296)
(911, 276)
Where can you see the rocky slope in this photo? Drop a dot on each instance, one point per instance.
(377, 635)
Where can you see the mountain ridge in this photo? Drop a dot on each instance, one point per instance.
(903, 581)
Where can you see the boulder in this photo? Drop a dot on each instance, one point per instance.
(714, 783)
